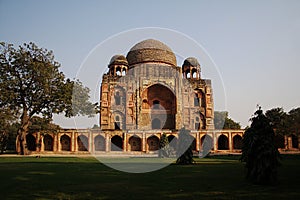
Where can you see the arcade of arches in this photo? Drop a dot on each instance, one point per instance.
(94, 141)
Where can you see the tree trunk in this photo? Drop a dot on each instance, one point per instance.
(22, 132)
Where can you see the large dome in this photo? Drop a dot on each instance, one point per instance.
(151, 51)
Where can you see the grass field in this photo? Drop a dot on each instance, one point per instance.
(85, 178)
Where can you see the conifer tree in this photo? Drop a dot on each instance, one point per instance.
(259, 151)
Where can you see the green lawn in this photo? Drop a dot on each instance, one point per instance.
(85, 178)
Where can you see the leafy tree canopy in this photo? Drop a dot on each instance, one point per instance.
(284, 123)
(7, 118)
(31, 84)
(44, 125)
(278, 120)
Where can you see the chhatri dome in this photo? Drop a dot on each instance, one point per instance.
(118, 60)
(151, 50)
(191, 61)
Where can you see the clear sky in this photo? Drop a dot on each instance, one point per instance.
(255, 44)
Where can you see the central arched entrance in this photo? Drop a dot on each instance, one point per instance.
(160, 102)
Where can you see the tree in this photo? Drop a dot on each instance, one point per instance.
(7, 117)
(278, 120)
(38, 124)
(280, 124)
(294, 121)
(222, 121)
(3, 141)
(259, 151)
(230, 124)
(184, 151)
(31, 83)
(12, 135)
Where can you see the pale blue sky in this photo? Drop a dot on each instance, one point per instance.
(255, 44)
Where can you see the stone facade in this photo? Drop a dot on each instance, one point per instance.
(142, 96)
(147, 91)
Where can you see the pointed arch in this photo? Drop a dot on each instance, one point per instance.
(237, 142)
(119, 120)
(162, 107)
(199, 121)
(31, 142)
(206, 142)
(153, 143)
(118, 71)
(99, 142)
(82, 142)
(173, 141)
(48, 143)
(116, 143)
(135, 143)
(195, 73)
(188, 73)
(65, 142)
(199, 98)
(223, 142)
